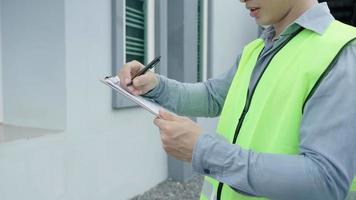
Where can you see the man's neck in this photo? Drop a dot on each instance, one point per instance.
(293, 14)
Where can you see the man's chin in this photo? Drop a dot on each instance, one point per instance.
(261, 22)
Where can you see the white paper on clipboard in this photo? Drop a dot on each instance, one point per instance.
(114, 83)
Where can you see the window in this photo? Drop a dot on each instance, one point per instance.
(133, 37)
(343, 10)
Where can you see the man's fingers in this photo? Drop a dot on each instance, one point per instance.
(128, 70)
(134, 91)
(141, 80)
(163, 124)
(158, 122)
(135, 67)
(166, 115)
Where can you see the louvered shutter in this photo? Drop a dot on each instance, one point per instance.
(199, 29)
(135, 39)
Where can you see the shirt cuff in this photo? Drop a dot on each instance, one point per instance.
(209, 156)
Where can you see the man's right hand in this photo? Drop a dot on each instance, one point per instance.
(141, 84)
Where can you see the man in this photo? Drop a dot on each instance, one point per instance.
(287, 110)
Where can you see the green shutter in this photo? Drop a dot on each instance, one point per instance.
(135, 13)
(199, 30)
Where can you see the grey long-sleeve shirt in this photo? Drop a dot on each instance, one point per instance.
(326, 164)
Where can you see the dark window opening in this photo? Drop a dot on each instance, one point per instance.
(343, 10)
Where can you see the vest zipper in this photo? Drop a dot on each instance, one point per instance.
(249, 99)
(244, 112)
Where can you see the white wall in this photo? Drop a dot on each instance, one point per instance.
(135, 156)
(33, 63)
(103, 153)
(232, 29)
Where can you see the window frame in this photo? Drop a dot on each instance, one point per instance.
(202, 41)
(119, 42)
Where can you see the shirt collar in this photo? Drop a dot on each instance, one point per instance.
(316, 19)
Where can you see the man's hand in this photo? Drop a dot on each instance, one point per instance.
(178, 135)
(141, 84)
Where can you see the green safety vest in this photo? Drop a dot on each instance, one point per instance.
(269, 121)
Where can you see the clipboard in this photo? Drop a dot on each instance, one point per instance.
(114, 83)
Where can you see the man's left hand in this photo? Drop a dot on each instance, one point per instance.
(178, 135)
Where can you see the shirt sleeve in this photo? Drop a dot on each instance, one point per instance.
(204, 99)
(326, 164)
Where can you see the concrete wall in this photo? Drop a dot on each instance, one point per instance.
(1, 98)
(33, 57)
(101, 153)
(231, 29)
(134, 153)
(33, 63)
(182, 62)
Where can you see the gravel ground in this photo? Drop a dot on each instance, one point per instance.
(172, 190)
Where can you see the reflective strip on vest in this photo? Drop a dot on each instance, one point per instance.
(272, 122)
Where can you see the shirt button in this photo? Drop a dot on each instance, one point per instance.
(206, 171)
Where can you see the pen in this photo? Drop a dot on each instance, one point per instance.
(150, 65)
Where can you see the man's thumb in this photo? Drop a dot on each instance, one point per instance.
(166, 115)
